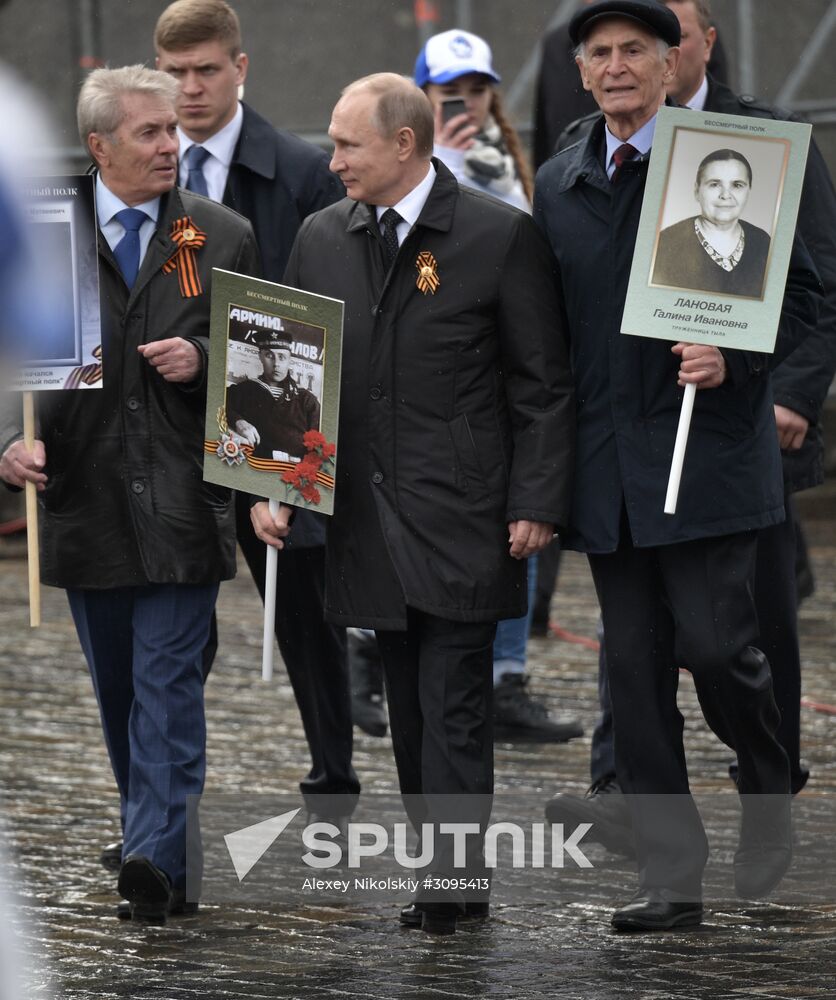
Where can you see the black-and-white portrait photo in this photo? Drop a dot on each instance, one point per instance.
(719, 213)
(274, 383)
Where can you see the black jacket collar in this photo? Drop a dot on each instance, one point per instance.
(583, 161)
(437, 212)
(255, 148)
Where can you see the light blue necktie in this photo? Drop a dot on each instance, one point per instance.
(126, 251)
(196, 156)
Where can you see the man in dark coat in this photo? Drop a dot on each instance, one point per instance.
(674, 590)
(274, 179)
(799, 384)
(130, 529)
(456, 430)
(560, 100)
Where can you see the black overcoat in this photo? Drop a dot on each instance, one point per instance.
(125, 502)
(456, 411)
(627, 395)
(801, 382)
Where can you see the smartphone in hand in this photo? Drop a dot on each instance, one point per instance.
(452, 106)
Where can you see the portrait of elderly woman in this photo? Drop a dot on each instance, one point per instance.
(716, 251)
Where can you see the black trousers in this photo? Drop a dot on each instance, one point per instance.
(776, 599)
(691, 605)
(314, 653)
(439, 689)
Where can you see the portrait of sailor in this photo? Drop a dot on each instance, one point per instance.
(272, 412)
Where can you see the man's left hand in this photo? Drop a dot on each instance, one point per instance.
(176, 359)
(528, 537)
(792, 428)
(701, 365)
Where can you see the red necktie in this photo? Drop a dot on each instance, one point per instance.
(624, 152)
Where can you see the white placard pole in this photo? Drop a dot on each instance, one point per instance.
(679, 448)
(269, 604)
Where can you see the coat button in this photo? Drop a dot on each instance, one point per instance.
(132, 404)
(138, 486)
(377, 478)
(375, 393)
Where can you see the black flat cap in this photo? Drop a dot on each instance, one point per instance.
(652, 14)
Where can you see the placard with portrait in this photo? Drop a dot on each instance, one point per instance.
(716, 229)
(273, 391)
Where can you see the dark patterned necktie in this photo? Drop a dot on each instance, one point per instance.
(623, 153)
(196, 156)
(126, 250)
(390, 220)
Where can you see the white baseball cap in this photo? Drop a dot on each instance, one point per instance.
(452, 54)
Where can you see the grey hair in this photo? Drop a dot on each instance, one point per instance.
(579, 52)
(100, 107)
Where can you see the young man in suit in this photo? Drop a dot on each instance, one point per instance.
(230, 154)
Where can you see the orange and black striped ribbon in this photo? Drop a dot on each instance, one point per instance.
(188, 239)
(88, 374)
(269, 464)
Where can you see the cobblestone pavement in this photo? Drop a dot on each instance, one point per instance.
(59, 806)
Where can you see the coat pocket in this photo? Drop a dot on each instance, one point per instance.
(470, 475)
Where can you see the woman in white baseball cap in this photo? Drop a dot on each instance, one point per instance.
(475, 141)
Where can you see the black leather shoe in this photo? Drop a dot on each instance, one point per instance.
(178, 907)
(653, 910)
(440, 918)
(413, 914)
(519, 718)
(605, 807)
(765, 850)
(147, 889)
(111, 856)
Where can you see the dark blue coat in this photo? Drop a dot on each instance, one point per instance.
(628, 401)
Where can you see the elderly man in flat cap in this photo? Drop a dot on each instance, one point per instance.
(674, 590)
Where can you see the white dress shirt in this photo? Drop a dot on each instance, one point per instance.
(107, 205)
(410, 206)
(697, 102)
(220, 148)
(641, 141)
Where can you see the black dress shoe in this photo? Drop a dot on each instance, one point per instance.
(440, 918)
(178, 907)
(655, 910)
(111, 856)
(147, 889)
(413, 914)
(605, 807)
(765, 850)
(519, 718)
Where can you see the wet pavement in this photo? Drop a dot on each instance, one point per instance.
(59, 807)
